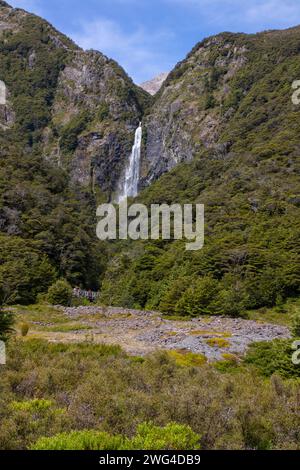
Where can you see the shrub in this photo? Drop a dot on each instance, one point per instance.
(60, 293)
(198, 299)
(149, 437)
(80, 440)
(98, 385)
(24, 270)
(174, 294)
(230, 301)
(70, 133)
(296, 326)
(24, 329)
(218, 342)
(188, 359)
(171, 437)
(6, 325)
(32, 406)
(273, 357)
(6, 321)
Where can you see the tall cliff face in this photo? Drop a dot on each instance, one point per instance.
(80, 108)
(95, 112)
(222, 97)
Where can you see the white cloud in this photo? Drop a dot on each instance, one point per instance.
(139, 52)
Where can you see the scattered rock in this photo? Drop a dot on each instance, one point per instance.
(140, 332)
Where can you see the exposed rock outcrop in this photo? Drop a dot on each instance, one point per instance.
(187, 113)
(79, 106)
(154, 85)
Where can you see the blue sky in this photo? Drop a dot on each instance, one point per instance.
(150, 36)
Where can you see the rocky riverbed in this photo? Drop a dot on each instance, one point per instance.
(140, 332)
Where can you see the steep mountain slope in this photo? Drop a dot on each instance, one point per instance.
(65, 100)
(67, 120)
(154, 85)
(225, 120)
(222, 131)
(231, 94)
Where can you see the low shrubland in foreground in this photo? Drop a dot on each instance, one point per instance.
(61, 396)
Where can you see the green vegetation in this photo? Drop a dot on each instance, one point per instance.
(246, 174)
(6, 320)
(32, 88)
(69, 134)
(148, 437)
(296, 325)
(47, 221)
(60, 293)
(273, 357)
(24, 329)
(219, 342)
(6, 324)
(187, 359)
(243, 165)
(67, 396)
(247, 177)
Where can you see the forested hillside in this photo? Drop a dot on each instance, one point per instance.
(227, 115)
(65, 132)
(222, 131)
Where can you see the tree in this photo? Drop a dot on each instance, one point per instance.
(296, 326)
(198, 299)
(6, 320)
(60, 293)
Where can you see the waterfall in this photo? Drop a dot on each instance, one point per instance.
(2, 93)
(130, 183)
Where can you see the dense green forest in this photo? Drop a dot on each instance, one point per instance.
(248, 179)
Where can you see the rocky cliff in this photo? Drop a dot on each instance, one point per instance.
(79, 107)
(154, 85)
(222, 97)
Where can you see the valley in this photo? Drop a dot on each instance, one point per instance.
(142, 332)
(181, 349)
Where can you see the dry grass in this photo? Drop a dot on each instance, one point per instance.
(218, 342)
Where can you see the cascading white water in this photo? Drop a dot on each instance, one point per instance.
(132, 175)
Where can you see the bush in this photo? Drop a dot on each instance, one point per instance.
(273, 357)
(232, 300)
(149, 437)
(296, 326)
(24, 329)
(174, 294)
(187, 359)
(198, 299)
(172, 437)
(6, 325)
(70, 133)
(60, 293)
(6, 321)
(93, 385)
(32, 406)
(80, 440)
(24, 270)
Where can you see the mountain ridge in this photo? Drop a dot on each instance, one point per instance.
(221, 131)
(153, 86)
